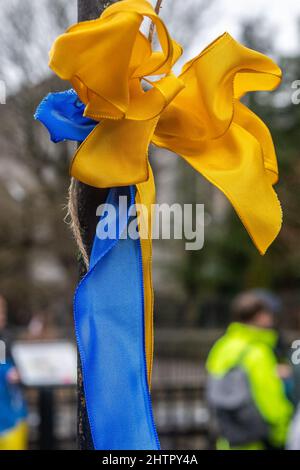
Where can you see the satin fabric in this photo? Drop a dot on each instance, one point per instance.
(198, 115)
(221, 138)
(109, 322)
(62, 114)
(127, 113)
(116, 96)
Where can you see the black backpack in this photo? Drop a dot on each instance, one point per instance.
(234, 412)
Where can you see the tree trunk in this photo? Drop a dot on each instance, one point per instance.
(91, 9)
(88, 199)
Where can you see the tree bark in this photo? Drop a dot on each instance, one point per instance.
(88, 199)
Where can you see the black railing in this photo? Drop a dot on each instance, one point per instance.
(182, 417)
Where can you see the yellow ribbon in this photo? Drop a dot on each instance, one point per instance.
(112, 59)
(221, 138)
(197, 115)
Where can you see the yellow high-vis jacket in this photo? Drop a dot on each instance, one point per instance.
(260, 366)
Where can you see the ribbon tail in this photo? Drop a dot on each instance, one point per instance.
(145, 198)
(109, 322)
(235, 164)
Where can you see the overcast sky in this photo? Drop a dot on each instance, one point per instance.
(227, 15)
(281, 15)
(282, 18)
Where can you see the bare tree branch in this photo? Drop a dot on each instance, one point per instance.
(157, 10)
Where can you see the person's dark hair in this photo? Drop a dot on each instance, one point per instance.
(247, 305)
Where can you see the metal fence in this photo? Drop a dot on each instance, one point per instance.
(178, 394)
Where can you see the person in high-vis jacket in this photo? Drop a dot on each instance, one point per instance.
(246, 395)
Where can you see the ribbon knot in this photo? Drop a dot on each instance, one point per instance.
(112, 57)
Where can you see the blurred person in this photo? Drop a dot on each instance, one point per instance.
(13, 426)
(246, 390)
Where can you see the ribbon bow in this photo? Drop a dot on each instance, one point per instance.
(114, 45)
(198, 115)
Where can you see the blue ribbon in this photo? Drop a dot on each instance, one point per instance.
(109, 312)
(109, 322)
(62, 114)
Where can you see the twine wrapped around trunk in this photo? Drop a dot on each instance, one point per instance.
(73, 220)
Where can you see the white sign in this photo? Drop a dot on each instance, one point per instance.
(51, 363)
